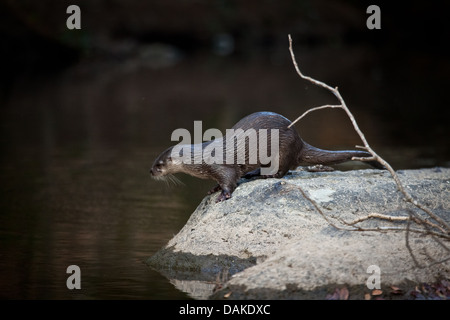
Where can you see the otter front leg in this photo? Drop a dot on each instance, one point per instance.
(228, 183)
(215, 189)
(227, 190)
(224, 195)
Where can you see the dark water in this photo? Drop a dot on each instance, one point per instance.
(76, 190)
(99, 212)
(76, 148)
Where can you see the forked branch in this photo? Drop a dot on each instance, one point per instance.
(441, 225)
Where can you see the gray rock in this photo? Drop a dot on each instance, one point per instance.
(273, 243)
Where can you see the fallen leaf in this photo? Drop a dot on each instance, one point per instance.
(396, 290)
(377, 292)
(416, 294)
(343, 294)
(333, 296)
(367, 296)
(227, 295)
(338, 294)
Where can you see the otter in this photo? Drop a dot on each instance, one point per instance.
(292, 152)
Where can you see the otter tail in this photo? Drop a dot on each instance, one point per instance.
(313, 155)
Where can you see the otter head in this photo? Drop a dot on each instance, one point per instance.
(162, 165)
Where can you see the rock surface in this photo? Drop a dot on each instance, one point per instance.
(276, 244)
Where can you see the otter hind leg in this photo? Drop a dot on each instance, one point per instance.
(257, 174)
(282, 170)
(252, 174)
(280, 174)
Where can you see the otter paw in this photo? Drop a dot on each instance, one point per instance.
(224, 195)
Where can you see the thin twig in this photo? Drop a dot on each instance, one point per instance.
(314, 109)
(379, 216)
(426, 225)
(364, 159)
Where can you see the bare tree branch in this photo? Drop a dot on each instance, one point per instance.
(444, 227)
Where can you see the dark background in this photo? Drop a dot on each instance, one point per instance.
(85, 112)
(397, 75)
